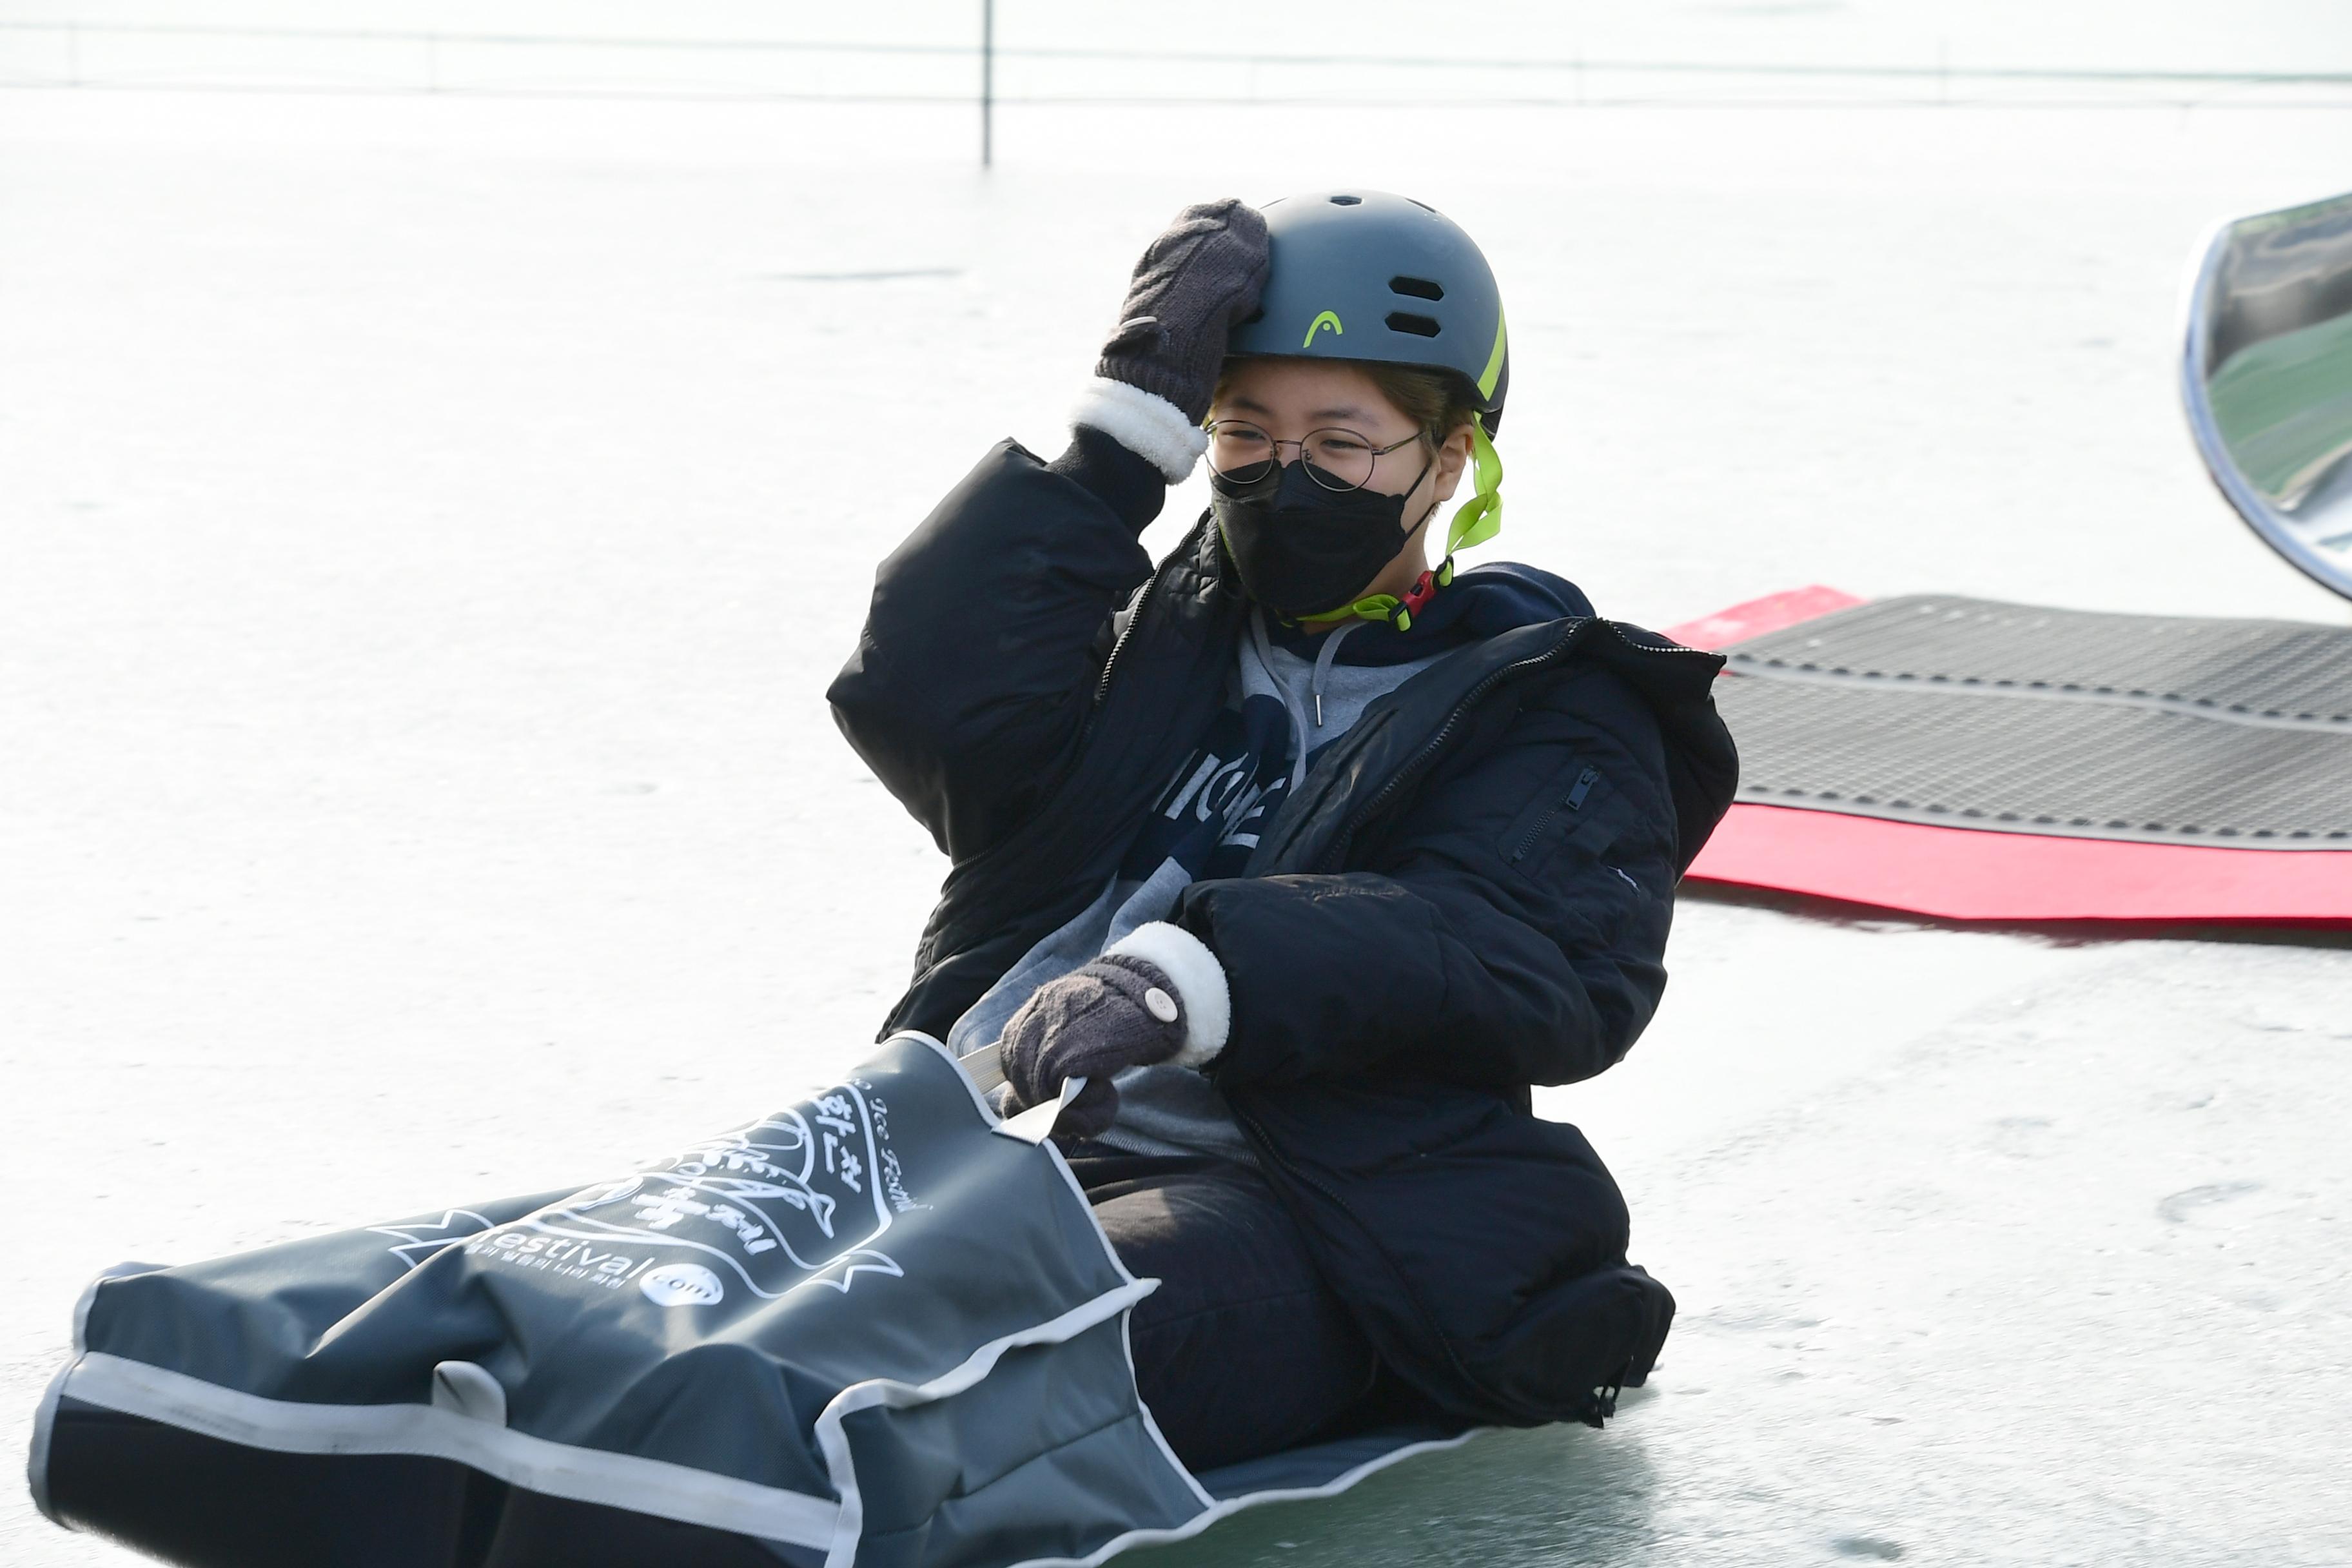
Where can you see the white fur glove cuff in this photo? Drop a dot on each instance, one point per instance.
(1151, 427)
(1199, 981)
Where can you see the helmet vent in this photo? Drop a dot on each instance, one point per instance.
(1406, 321)
(1418, 288)
(1346, 201)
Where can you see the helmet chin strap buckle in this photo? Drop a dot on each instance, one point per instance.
(1394, 610)
(1416, 598)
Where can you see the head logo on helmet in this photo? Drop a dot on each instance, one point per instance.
(1326, 319)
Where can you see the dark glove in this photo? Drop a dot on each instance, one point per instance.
(1117, 1011)
(1194, 282)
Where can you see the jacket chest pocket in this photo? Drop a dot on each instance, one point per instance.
(1578, 811)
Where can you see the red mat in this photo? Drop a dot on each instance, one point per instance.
(1963, 874)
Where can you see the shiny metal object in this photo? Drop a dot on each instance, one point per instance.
(2266, 372)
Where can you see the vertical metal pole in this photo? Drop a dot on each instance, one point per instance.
(987, 82)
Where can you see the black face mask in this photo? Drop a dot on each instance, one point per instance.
(1302, 549)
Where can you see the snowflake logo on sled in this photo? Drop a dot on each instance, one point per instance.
(789, 1201)
(419, 1239)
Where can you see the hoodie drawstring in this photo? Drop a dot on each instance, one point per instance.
(1299, 733)
(1331, 640)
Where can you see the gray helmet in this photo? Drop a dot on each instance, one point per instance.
(1373, 277)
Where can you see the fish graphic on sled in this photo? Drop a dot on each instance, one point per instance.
(794, 1199)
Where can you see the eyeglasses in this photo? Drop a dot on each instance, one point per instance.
(1335, 459)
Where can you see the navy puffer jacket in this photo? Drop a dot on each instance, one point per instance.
(1468, 894)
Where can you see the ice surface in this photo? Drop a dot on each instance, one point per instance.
(427, 527)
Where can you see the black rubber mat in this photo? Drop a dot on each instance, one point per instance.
(1973, 714)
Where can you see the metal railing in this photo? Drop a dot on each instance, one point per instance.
(233, 57)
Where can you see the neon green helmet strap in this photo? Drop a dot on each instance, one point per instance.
(1481, 517)
(1373, 607)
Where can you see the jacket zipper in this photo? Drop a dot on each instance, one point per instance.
(1572, 800)
(1135, 618)
(1184, 550)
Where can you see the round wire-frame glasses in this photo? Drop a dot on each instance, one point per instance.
(1335, 459)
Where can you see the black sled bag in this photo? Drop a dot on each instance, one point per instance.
(871, 1329)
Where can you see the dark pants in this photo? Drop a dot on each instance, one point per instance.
(1243, 1350)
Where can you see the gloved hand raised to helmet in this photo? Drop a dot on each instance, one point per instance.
(1201, 277)
(1118, 1012)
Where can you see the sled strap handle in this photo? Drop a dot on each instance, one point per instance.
(1036, 1124)
(986, 1069)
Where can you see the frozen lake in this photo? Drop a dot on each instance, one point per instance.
(428, 527)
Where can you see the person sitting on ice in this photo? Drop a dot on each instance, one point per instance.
(1309, 857)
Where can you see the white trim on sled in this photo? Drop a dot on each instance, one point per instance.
(36, 1452)
(653, 1486)
(1231, 1506)
(45, 1418)
(842, 1550)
